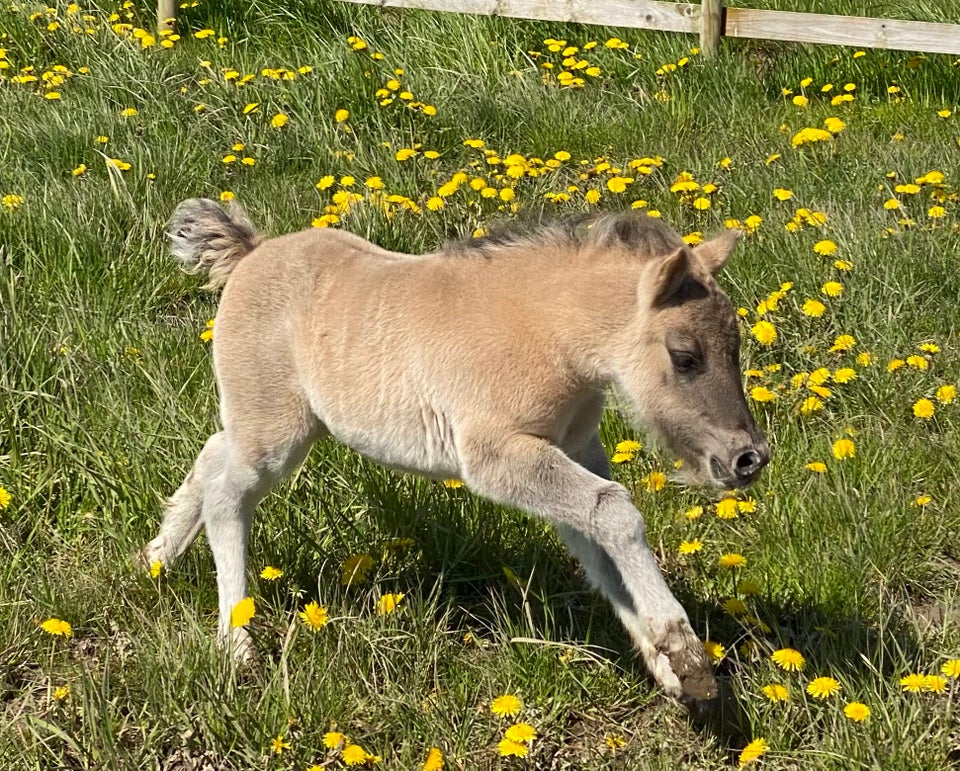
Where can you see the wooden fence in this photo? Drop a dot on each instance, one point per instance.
(711, 20)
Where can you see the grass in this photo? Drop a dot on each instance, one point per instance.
(107, 397)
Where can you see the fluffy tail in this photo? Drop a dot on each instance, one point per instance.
(206, 238)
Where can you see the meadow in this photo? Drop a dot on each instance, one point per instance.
(405, 624)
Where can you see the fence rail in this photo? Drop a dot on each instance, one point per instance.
(711, 21)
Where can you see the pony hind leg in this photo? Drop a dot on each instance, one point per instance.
(181, 519)
(260, 450)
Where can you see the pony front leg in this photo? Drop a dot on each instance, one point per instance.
(598, 519)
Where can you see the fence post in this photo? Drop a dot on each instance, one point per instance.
(166, 9)
(711, 24)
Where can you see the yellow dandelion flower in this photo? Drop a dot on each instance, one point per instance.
(776, 692)
(917, 362)
(951, 668)
(913, 683)
(242, 612)
(278, 744)
(810, 135)
(813, 308)
(156, 568)
(844, 375)
(817, 467)
(5, 498)
(506, 705)
(279, 120)
(894, 364)
(355, 755)
(690, 547)
(614, 742)
(844, 448)
(832, 289)
(355, 569)
(314, 616)
(714, 650)
(823, 687)
(207, 334)
(843, 343)
(923, 409)
(946, 394)
(452, 484)
(811, 405)
(592, 196)
(762, 394)
(834, 125)
(782, 194)
(388, 603)
(764, 332)
(654, 482)
(434, 761)
(856, 711)
(922, 500)
(57, 627)
(934, 683)
(734, 606)
(694, 512)
(789, 659)
(61, 693)
(825, 248)
(520, 732)
(507, 747)
(727, 508)
(628, 445)
(270, 573)
(405, 153)
(732, 560)
(333, 740)
(753, 751)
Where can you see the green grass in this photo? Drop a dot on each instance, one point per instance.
(107, 395)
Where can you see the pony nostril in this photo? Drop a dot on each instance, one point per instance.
(748, 464)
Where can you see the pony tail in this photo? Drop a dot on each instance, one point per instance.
(206, 238)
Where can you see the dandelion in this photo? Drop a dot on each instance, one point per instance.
(817, 467)
(843, 449)
(207, 334)
(922, 500)
(894, 364)
(61, 693)
(654, 482)
(917, 362)
(520, 732)
(913, 683)
(834, 125)
(388, 603)
(270, 573)
(279, 120)
(923, 409)
(825, 248)
(934, 683)
(614, 742)
(333, 740)
(788, 659)
(57, 627)
(753, 751)
(844, 375)
(823, 687)
(628, 445)
(762, 394)
(5, 498)
(734, 606)
(832, 289)
(694, 512)
(714, 650)
(314, 616)
(810, 135)
(355, 755)
(355, 569)
(764, 332)
(732, 560)
(776, 692)
(811, 405)
(856, 711)
(156, 568)
(813, 308)
(242, 612)
(278, 744)
(843, 343)
(434, 761)
(691, 547)
(727, 508)
(951, 668)
(507, 747)
(506, 705)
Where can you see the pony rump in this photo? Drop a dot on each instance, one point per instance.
(206, 238)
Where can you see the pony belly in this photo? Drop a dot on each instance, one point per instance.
(415, 443)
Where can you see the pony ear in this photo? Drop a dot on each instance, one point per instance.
(668, 274)
(715, 253)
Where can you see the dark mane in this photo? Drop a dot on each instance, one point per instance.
(630, 231)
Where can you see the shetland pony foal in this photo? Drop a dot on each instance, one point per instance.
(485, 361)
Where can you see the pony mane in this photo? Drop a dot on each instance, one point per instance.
(633, 232)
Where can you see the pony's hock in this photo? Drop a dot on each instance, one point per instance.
(487, 360)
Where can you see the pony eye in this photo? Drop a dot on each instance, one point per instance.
(684, 361)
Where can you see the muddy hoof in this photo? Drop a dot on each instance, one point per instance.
(695, 676)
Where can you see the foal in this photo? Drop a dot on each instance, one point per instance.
(485, 361)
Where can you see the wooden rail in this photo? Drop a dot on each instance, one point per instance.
(710, 20)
